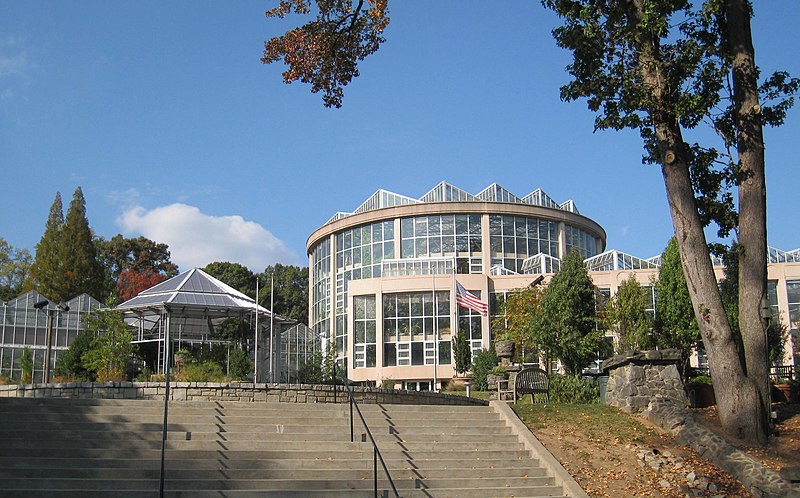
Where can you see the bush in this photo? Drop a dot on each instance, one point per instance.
(206, 371)
(700, 379)
(573, 389)
(26, 365)
(240, 365)
(483, 363)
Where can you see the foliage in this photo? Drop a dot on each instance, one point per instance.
(325, 51)
(138, 256)
(131, 282)
(70, 362)
(82, 269)
(26, 365)
(777, 334)
(111, 349)
(518, 314)
(462, 352)
(236, 275)
(661, 67)
(700, 379)
(240, 366)
(234, 330)
(46, 273)
(573, 389)
(291, 291)
(628, 311)
(483, 363)
(14, 267)
(310, 370)
(206, 371)
(566, 327)
(675, 324)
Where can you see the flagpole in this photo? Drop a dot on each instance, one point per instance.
(255, 369)
(435, 330)
(271, 328)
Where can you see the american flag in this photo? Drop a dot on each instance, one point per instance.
(467, 300)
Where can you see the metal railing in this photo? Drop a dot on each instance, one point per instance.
(376, 454)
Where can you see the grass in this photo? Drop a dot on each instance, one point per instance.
(602, 424)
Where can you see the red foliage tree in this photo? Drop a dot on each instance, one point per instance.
(131, 282)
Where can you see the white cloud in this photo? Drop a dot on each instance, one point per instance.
(196, 239)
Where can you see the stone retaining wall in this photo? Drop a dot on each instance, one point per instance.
(635, 379)
(231, 391)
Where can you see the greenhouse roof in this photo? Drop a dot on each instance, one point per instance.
(193, 289)
(445, 192)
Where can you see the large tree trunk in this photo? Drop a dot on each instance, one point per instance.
(752, 201)
(738, 398)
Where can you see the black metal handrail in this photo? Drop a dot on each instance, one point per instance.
(376, 453)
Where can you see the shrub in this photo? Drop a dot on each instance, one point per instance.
(483, 363)
(700, 379)
(26, 365)
(573, 389)
(206, 371)
(240, 366)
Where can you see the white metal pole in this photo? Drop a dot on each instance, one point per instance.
(271, 328)
(255, 368)
(435, 331)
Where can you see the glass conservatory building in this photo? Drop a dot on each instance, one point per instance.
(383, 277)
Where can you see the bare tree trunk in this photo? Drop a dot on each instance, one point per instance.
(752, 201)
(738, 399)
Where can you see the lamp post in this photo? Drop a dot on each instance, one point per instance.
(40, 305)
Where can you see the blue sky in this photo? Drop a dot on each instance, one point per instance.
(164, 115)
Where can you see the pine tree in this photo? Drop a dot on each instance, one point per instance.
(676, 326)
(46, 274)
(568, 316)
(82, 269)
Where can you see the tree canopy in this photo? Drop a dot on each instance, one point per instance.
(83, 272)
(628, 312)
(46, 274)
(566, 327)
(14, 267)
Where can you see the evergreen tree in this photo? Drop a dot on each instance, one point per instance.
(47, 272)
(676, 326)
(567, 322)
(628, 311)
(82, 269)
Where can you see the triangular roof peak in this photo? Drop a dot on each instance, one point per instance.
(497, 193)
(446, 192)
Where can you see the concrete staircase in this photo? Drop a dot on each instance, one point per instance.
(87, 448)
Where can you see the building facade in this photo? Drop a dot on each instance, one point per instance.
(383, 278)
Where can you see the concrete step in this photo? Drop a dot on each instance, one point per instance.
(208, 464)
(261, 473)
(444, 445)
(353, 451)
(43, 482)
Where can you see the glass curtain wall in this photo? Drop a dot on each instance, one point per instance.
(364, 337)
(413, 326)
(516, 238)
(444, 235)
(580, 240)
(320, 289)
(359, 253)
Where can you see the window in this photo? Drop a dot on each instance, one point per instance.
(415, 327)
(512, 239)
(444, 235)
(364, 331)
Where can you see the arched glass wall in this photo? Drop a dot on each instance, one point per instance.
(320, 288)
(456, 235)
(516, 238)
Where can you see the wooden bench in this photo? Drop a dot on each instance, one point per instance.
(531, 381)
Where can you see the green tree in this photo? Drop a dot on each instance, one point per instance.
(483, 363)
(462, 352)
(70, 362)
(240, 366)
(628, 312)
(236, 275)
(675, 324)
(47, 274)
(82, 269)
(14, 267)
(310, 370)
(662, 67)
(291, 291)
(566, 328)
(659, 67)
(519, 312)
(112, 348)
(26, 365)
(135, 257)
